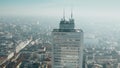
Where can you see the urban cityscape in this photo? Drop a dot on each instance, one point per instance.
(64, 39)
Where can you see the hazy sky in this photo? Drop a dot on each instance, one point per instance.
(103, 8)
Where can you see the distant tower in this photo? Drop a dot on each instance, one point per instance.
(67, 45)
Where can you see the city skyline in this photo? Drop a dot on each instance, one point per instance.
(31, 37)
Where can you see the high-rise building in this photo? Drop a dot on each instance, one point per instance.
(67, 45)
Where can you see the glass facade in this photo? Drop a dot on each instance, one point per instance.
(67, 49)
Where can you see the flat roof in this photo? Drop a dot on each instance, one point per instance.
(67, 30)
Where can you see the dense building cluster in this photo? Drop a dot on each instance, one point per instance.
(27, 43)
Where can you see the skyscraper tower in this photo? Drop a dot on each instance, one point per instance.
(67, 45)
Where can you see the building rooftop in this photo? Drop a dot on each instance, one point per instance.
(67, 30)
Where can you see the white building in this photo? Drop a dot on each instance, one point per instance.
(67, 45)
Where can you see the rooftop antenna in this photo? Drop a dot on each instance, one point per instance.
(71, 14)
(63, 14)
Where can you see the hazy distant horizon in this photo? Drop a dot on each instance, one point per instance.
(88, 8)
(102, 14)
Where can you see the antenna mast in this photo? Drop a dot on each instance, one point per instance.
(71, 14)
(63, 14)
